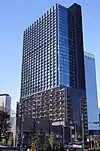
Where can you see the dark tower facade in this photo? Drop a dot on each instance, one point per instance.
(76, 46)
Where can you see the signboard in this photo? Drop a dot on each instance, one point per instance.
(58, 123)
(75, 146)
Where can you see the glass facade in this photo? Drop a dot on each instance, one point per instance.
(51, 54)
(91, 91)
(39, 66)
(45, 52)
(63, 49)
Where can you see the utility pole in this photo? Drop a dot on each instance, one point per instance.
(82, 132)
(62, 134)
(75, 131)
(34, 122)
(20, 131)
(49, 126)
(21, 127)
(70, 134)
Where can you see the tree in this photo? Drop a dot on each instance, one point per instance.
(32, 139)
(3, 141)
(52, 139)
(10, 140)
(5, 125)
(42, 142)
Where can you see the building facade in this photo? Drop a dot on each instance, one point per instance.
(53, 67)
(13, 128)
(55, 105)
(91, 91)
(5, 102)
(52, 55)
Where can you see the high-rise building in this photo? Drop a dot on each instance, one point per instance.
(53, 51)
(53, 76)
(5, 102)
(91, 91)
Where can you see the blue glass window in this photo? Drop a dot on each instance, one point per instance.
(63, 55)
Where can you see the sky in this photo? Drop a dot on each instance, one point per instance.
(17, 15)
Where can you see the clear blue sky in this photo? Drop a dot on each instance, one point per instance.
(17, 15)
